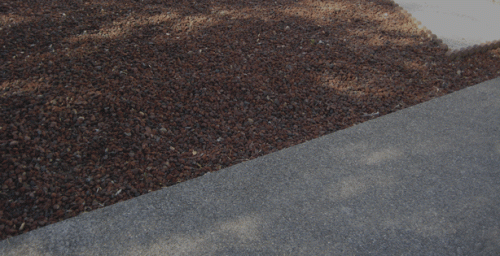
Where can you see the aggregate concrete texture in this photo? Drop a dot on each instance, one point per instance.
(422, 181)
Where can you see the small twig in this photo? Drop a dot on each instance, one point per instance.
(371, 115)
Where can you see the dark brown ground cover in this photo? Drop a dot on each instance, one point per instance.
(102, 101)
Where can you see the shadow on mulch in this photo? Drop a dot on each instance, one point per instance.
(103, 101)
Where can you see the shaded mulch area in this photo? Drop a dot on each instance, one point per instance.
(103, 101)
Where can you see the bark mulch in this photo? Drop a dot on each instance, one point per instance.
(103, 101)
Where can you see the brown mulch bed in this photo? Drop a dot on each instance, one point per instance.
(103, 101)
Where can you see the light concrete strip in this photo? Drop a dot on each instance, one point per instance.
(459, 24)
(422, 181)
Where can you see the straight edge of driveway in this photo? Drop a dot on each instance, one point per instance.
(422, 181)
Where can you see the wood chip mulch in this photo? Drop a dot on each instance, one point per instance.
(103, 101)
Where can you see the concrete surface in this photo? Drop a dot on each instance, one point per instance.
(422, 181)
(460, 23)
